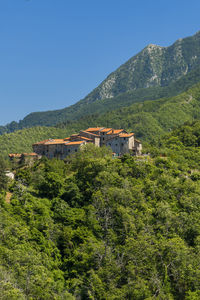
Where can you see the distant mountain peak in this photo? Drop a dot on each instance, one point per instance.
(154, 46)
(153, 66)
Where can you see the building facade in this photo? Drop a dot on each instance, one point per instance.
(118, 140)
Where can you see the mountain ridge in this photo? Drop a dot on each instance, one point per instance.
(183, 66)
(153, 67)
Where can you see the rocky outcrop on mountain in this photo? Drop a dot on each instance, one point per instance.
(153, 66)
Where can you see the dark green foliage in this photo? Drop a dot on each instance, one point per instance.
(148, 120)
(21, 141)
(94, 227)
(3, 177)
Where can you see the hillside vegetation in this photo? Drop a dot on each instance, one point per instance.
(21, 141)
(83, 108)
(94, 227)
(148, 120)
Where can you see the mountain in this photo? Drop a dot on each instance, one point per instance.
(153, 73)
(153, 66)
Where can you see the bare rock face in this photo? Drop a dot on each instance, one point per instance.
(153, 66)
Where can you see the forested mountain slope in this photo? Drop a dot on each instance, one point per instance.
(148, 120)
(21, 141)
(102, 228)
(154, 73)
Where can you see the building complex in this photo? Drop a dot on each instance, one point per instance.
(119, 140)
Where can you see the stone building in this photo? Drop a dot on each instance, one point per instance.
(117, 139)
(121, 143)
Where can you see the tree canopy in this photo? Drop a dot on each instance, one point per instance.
(95, 227)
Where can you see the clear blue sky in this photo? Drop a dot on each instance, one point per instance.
(54, 52)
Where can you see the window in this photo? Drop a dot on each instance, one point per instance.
(122, 144)
(124, 139)
(75, 150)
(116, 144)
(69, 150)
(103, 139)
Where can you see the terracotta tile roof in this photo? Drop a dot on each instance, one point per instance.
(115, 131)
(15, 155)
(126, 135)
(30, 154)
(106, 129)
(95, 129)
(84, 138)
(42, 142)
(89, 133)
(74, 143)
(19, 155)
(50, 141)
(67, 139)
(56, 142)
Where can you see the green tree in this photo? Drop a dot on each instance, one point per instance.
(3, 177)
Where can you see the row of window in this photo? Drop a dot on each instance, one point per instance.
(115, 138)
(122, 144)
(70, 150)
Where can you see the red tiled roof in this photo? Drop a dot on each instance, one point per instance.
(18, 155)
(14, 155)
(30, 154)
(115, 131)
(56, 142)
(95, 129)
(126, 134)
(74, 143)
(50, 141)
(89, 133)
(41, 142)
(106, 129)
(84, 138)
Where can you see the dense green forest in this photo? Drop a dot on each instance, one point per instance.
(148, 120)
(94, 227)
(21, 141)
